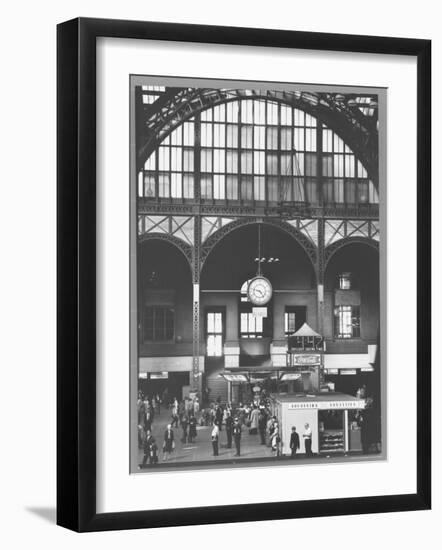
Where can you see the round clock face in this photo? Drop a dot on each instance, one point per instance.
(259, 291)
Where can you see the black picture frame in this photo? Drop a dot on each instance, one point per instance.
(76, 273)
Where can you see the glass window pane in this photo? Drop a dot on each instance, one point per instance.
(311, 164)
(259, 159)
(299, 139)
(247, 162)
(219, 160)
(259, 137)
(309, 120)
(363, 191)
(338, 190)
(349, 166)
(188, 191)
(247, 111)
(232, 111)
(232, 187)
(312, 190)
(232, 162)
(327, 141)
(219, 187)
(206, 160)
(362, 172)
(232, 135)
(298, 190)
(188, 133)
(206, 135)
(272, 113)
(298, 164)
(188, 160)
(338, 144)
(299, 117)
(373, 194)
(327, 191)
(272, 189)
(259, 188)
(272, 163)
(176, 190)
(286, 189)
(206, 187)
(310, 139)
(286, 164)
(350, 191)
(150, 162)
(163, 187)
(176, 154)
(260, 112)
(338, 165)
(247, 137)
(149, 185)
(219, 113)
(272, 138)
(163, 160)
(219, 135)
(286, 115)
(286, 138)
(206, 115)
(327, 165)
(246, 188)
(176, 137)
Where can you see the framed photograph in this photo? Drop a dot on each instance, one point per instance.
(243, 248)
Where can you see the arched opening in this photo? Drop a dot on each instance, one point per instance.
(165, 318)
(352, 326)
(247, 336)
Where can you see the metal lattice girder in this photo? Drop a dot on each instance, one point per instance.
(330, 250)
(172, 109)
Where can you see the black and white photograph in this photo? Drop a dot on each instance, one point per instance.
(257, 274)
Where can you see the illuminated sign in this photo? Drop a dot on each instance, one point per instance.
(142, 375)
(159, 375)
(259, 311)
(290, 376)
(235, 377)
(306, 359)
(328, 405)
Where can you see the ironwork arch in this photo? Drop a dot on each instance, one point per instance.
(330, 250)
(307, 245)
(184, 248)
(356, 130)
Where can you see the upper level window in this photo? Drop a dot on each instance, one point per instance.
(345, 281)
(158, 323)
(255, 150)
(347, 322)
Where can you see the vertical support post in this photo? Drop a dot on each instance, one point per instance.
(320, 290)
(346, 446)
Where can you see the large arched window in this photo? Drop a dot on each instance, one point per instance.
(256, 150)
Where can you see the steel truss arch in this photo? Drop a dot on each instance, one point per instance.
(184, 248)
(356, 130)
(308, 246)
(330, 250)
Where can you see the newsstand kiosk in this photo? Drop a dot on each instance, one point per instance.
(330, 416)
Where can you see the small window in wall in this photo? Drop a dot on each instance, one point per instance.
(214, 333)
(251, 325)
(294, 318)
(345, 281)
(159, 323)
(347, 322)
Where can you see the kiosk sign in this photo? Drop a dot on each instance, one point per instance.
(327, 405)
(300, 359)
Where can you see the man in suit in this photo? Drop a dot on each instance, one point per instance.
(229, 430)
(294, 441)
(237, 436)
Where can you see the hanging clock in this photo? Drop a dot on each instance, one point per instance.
(259, 291)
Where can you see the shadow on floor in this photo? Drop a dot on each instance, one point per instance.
(48, 514)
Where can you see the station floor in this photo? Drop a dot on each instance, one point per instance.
(201, 449)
